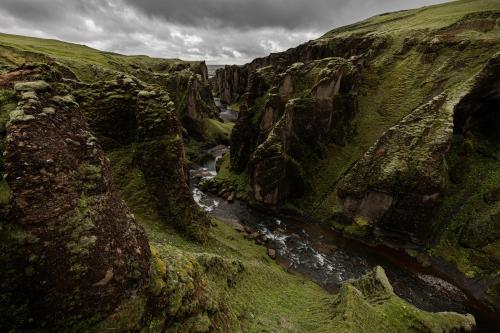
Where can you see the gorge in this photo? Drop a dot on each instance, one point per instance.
(349, 184)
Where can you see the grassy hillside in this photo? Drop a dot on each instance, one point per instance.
(15, 50)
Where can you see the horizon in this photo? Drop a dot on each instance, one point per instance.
(218, 32)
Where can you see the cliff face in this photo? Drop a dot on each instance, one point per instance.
(379, 128)
(191, 93)
(71, 249)
(138, 123)
(313, 115)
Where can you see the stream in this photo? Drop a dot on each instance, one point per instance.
(324, 256)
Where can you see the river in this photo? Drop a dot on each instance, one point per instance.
(323, 255)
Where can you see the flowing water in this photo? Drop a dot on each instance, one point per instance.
(326, 257)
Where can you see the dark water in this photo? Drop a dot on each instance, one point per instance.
(328, 259)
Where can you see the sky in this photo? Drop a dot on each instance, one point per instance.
(218, 31)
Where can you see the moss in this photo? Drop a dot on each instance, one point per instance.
(158, 271)
(217, 131)
(370, 302)
(234, 107)
(362, 221)
(128, 317)
(240, 181)
(31, 86)
(5, 193)
(466, 224)
(92, 176)
(18, 115)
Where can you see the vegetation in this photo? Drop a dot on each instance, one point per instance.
(374, 106)
(87, 63)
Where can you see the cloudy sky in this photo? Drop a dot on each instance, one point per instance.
(219, 31)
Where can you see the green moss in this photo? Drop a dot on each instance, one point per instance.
(239, 180)
(5, 193)
(132, 185)
(158, 271)
(467, 222)
(234, 107)
(217, 131)
(127, 318)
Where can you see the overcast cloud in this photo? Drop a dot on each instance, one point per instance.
(219, 31)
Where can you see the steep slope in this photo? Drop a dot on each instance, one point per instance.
(385, 129)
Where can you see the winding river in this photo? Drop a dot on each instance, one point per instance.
(327, 258)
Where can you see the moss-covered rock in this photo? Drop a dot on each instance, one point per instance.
(370, 303)
(139, 122)
(400, 181)
(71, 249)
(287, 118)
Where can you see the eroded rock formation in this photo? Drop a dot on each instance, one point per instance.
(71, 249)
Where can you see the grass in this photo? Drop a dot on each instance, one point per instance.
(430, 17)
(15, 50)
(239, 180)
(234, 107)
(265, 296)
(216, 130)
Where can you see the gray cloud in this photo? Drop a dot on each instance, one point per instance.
(220, 31)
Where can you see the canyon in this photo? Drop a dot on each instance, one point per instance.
(350, 184)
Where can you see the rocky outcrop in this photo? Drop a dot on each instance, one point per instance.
(192, 96)
(230, 83)
(398, 184)
(371, 302)
(71, 249)
(140, 121)
(292, 116)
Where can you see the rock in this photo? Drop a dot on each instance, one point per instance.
(231, 196)
(423, 260)
(254, 235)
(36, 86)
(248, 229)
(67, 220)
(263, 238)
(148, 131)
(372, 189)
(372, 296)
(271, 253)
(277, 147)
